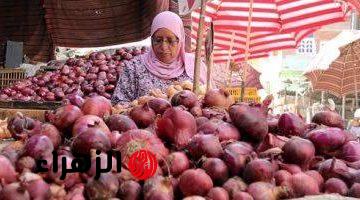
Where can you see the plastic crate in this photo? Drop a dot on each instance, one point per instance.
(9, 76)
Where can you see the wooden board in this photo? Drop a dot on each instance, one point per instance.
(46, 105)
(35, 114)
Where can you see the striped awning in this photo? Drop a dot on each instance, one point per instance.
(343, 75)
(275, 24)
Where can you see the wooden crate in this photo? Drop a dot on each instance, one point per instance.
(35, 114)
(9, 76)
(46, 105)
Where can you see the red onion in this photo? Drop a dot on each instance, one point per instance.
(217, 113)
(52, 132)
(21, 126)
(327, 140)
(75, 100)
(143, 115)
(218, 98)
(121, 123)
(266, 191)
(103, 162)
(158, 187)
(317, 176)
(291, 124)
(70, 180)
(159, 105)
(91, 138)
(297, 187)
(130, 190)
(225, 131)
(35, 185)
(196, 177)
(249, 121)
(177, 126)
(13, 150)
(299, 151)
(281, 176)
(178, 162)
(185, 98)
(89, 121)
(258, 170)
(272, 141)
(218, 193)
(242, 196)
(205, 145)
(25, 163)
(235, 155)
(216, 169)
(200, 121)
(14, 191)
(136, 139)
(328, 118)
(355, 190)
(335, 185)
(351, 151)
(291, 168)
(77, 192)
(332, 168)
(64, 117)
(105, 187)
(97, 105)
(234, 184)
(7, 171)
(38, 147)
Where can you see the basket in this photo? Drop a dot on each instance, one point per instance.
(9, 76)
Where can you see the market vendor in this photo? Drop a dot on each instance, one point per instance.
(354, 124)
(165, 63)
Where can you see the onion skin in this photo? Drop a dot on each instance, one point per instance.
(177, 126)
(130, 190)
(104, 188)
(335, 185)
(7, 171)
(327, 140)
(89, 121)
(64, 117)
(272, 141)
(225, 131)
(332, 168)
(234, 184)
(317, 176)
(185, 98)
(158, 187)
(218, 98)
(266, 191)
(297, 187)
(196, 177)
(143, 115)
(97, 105)
(351, 151)
(242, 196)
(218, 193)
(355, 190)
(14, 191)
(281, 176)
(216, 169)
(21, 126)
(92, 138)
(249, 121)
(178, 162)
(121, 123)
(299, 151)
(258, 170)
(235, 155)
(328, 118)
(38, 147)
(53, 133)
(25, 163)
(159, 105)
(291, 124)
(205, 145)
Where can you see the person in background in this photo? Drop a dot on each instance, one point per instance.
(165, 63)
(354, 124)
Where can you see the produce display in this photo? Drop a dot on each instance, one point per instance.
(207, 147)
(96, 74)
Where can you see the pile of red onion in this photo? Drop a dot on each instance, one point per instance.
(96, 75)
(233, 154)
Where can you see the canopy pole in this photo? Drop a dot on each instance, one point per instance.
(343, 107)
(248, 38)
(229, 58)
(355, 78)
(198, 49)
(209, 68)
(322, 97)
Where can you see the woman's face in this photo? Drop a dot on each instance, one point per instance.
(165, 45)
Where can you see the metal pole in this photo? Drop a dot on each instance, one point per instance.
(198, 49)
(343, 107)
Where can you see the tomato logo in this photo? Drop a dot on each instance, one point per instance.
(142, 164)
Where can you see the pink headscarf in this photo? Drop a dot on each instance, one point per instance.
(184, 61)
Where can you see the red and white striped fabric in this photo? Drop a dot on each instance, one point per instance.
(275, 24)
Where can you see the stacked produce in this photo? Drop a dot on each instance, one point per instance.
(207, 148)
(96, 74)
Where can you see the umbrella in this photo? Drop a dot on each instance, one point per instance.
(343, 75)
(258, 26)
